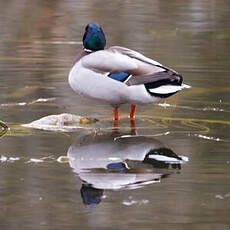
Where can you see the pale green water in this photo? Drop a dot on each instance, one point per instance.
(38, 42)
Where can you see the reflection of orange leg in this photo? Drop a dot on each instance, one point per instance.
(132, 112)
(115, 117)
(115, 124)
(133, 126)
(132, 119)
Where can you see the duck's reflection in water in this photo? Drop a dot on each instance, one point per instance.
(113, 161)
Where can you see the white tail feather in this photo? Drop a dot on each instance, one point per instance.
(166, 89)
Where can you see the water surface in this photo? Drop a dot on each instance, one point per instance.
(123, 187)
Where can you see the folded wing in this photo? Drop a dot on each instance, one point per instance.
(133, 68)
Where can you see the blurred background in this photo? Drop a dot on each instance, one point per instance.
(38, 42)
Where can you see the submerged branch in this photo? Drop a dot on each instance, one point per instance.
(4, 128)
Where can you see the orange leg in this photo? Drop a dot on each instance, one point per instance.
(132, 112)
(115, 113)
(115, 118)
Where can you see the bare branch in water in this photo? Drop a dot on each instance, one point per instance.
(4, 128)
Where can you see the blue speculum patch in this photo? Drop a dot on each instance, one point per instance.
(119, 76)
(119, 166)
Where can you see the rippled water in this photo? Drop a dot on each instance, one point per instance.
(173, 172)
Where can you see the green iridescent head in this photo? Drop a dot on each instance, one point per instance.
(94, 38)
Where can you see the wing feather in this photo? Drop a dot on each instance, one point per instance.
(118, 59)
(159, 76)
(107, 61)
(133, 54)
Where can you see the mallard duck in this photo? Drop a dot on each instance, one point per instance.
(119, 75)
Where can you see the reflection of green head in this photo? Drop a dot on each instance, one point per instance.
(94, 38)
